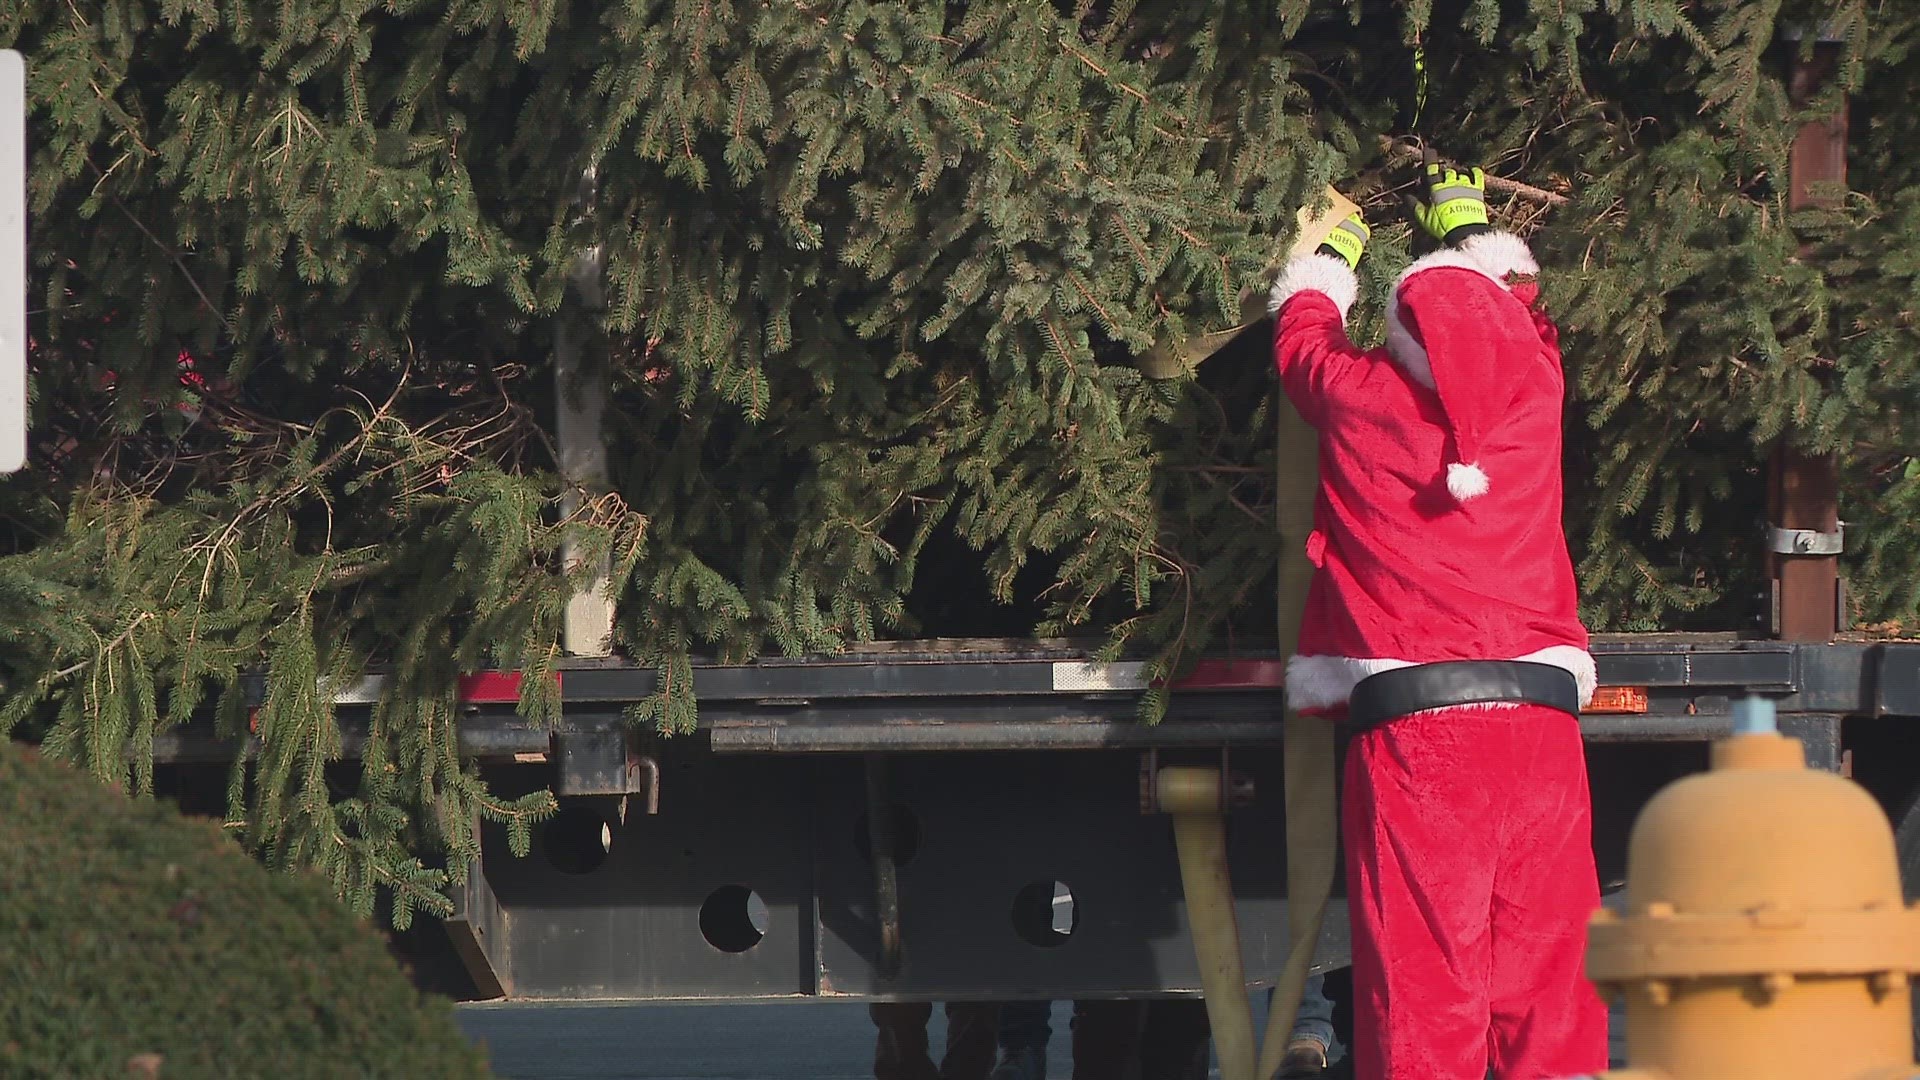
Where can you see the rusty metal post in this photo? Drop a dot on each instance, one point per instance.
(1804, 490)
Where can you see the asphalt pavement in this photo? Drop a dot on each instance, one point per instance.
(788, 1041)
(798, 1041)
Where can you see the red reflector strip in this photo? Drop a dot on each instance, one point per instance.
(1618, 699)
(1235, 675)
(493, 688)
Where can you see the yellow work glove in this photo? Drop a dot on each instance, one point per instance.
(1347, 240)
(1453, 204)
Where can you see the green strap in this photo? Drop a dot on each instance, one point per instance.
(1419, 82)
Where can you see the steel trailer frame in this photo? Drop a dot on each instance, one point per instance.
(737, 863)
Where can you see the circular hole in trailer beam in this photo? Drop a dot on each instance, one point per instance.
(1045, 913)
(733, 919)
(906, 835)
(576, 840)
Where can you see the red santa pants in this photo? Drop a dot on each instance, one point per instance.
(1470, 879)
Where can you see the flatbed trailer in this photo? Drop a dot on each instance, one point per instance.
(737, 862)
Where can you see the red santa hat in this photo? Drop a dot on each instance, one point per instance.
(1455, 325)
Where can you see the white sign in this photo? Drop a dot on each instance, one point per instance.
(13, 261)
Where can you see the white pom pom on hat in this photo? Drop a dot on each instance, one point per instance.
(1454, 326)
(1467, 481)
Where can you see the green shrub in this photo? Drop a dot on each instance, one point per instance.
(128, 930)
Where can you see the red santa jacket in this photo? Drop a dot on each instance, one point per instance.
(1437, 532)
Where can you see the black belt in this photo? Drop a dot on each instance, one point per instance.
(1390, 695)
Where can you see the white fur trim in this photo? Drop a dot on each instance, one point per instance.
(1443, 259)
(1468, 481)
(1500, 254)
(1325, 274)
(1321, 682)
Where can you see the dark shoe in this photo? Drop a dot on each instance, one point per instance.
(1304, 1057)
(900, 1043)
(1020, 1065)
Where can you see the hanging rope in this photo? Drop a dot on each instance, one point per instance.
(1419, 82)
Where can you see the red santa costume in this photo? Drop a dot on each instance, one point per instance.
(1437, 537)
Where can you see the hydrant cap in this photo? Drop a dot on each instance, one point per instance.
(1762, 864)
(1766, 830)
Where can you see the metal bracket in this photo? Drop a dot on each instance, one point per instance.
(605, 761)
(1236, 789)
(1806, 541)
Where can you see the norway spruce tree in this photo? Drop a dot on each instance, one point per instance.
(872, 280)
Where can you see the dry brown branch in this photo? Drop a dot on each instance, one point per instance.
(1525, 191)
(1402, 151)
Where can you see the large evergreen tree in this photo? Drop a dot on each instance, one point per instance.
(875, 277)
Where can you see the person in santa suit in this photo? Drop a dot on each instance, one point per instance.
(1441, 626)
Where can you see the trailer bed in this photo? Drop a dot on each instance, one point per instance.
(734, 863)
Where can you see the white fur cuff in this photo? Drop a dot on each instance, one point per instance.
(1443, 259)
(1328, 275)
(1500, 254)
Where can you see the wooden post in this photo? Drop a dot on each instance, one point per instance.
(1804, 489)
(582, 385)
(581, 402)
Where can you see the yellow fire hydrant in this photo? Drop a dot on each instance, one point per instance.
(1765, 934)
